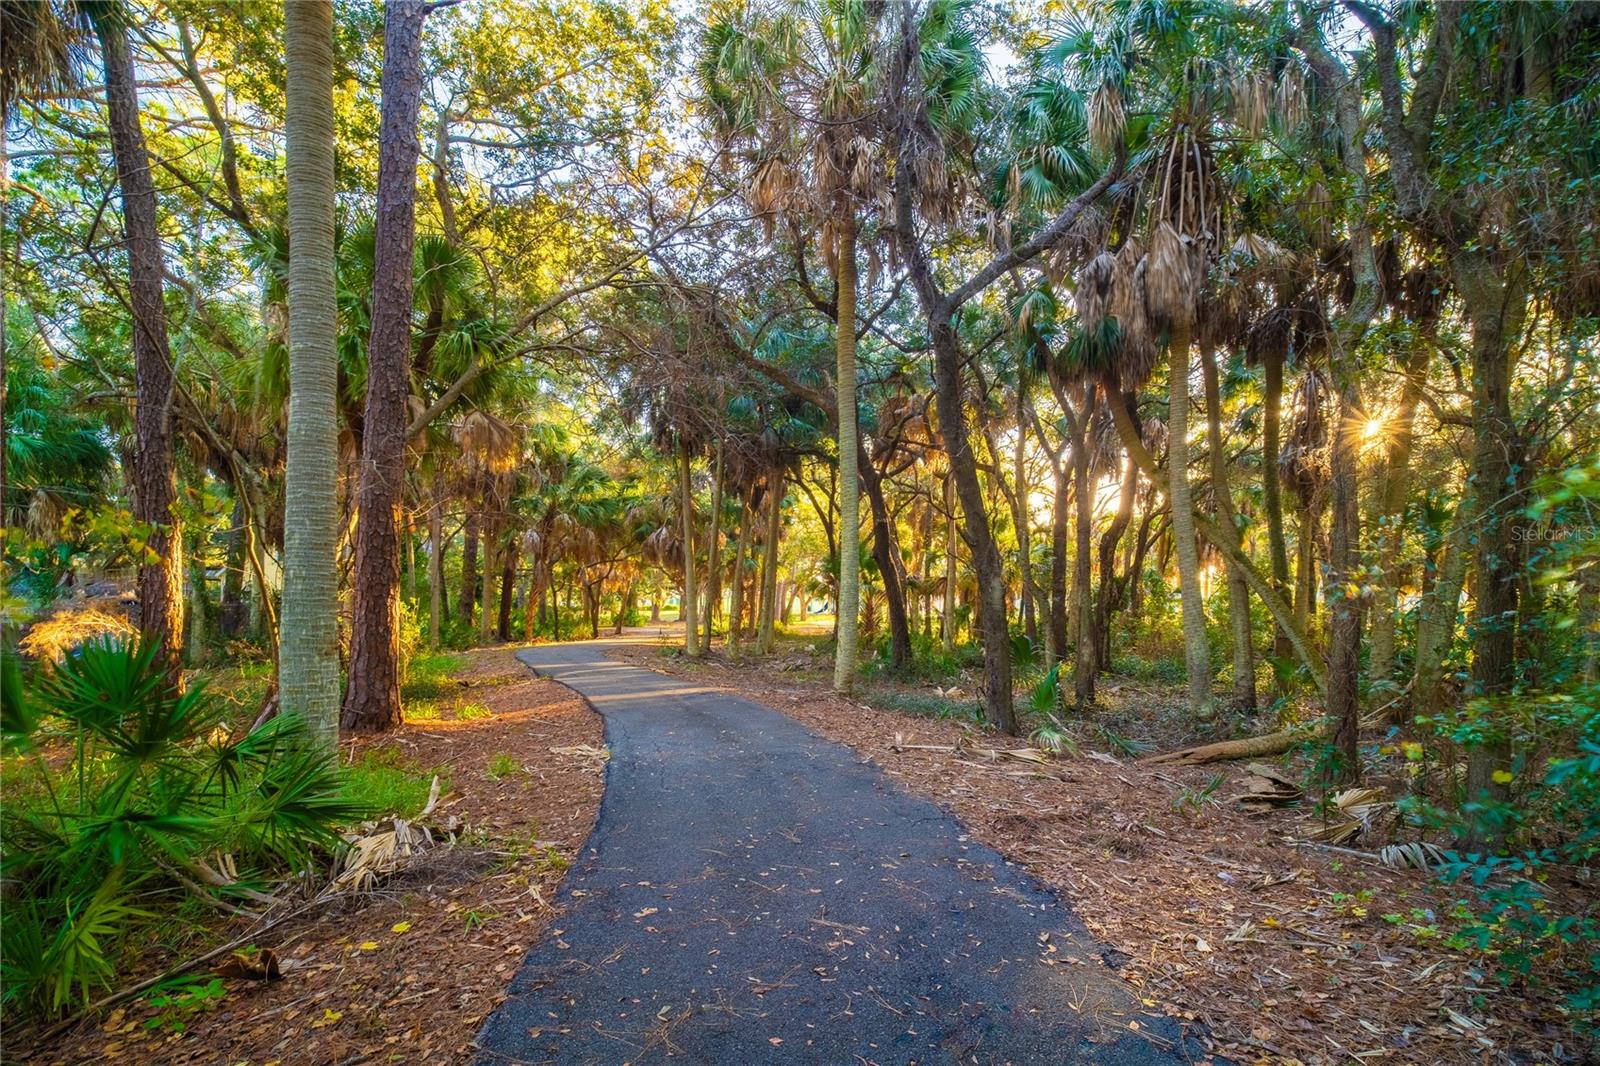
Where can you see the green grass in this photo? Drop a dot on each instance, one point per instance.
(428, 676)
(927, 706)
(503, 764)
(384, 781)
(466, 712)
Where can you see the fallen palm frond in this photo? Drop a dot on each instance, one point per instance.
(965, 749)
(584, 751)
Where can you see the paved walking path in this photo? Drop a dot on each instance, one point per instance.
(753, 893)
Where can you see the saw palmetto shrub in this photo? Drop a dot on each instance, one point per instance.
(127, 798)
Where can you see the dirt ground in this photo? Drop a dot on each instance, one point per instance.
(408, 973)
(1285, 953)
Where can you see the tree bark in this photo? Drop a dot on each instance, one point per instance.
(1240, 637)
(747, 522)
(947, 620)
(766, 624)
(714, 552)
(372, 703)
(469, 562)
(435, 565)
(308, 650)
(1086, 660)
(1391, 507)
(689, 609)
(1196, 647)
(1272, 491)
(508, 585)
(849, 612)
(887, 556)
(155, 479)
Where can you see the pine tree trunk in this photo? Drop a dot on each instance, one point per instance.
(154, 475)
(1343, 597)
(372, 703)
(308, 652)
(849, 613)
(1196, 648)
(689, 609)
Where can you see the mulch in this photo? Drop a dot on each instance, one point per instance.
(1282, 952)
(409, 972)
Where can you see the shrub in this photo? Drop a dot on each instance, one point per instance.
(156, 804)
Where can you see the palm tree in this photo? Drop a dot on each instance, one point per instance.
(155, 479)
(372, 702)
(308, 651)
(797, 88)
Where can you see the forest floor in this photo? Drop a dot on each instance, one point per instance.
(408, 972)
(1221, 915)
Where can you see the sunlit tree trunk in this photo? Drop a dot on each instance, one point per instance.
(232, 615)
(308, 651)
(1196, 648)
(154, 475)
(1272, 491)
(1019, 462)
(491, 558)
(1240, 638)
(1110, 593)
(372, 702)
(508, 586)
(887, 556)
(1086, 660)
(849, 613)
(948, 618)
(1397, 439)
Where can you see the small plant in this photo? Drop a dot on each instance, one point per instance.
(177, 1000)
(1046, 695)
(1190, 798)
(467, 712)
(503, 764)
(155, 800)
(475, 919)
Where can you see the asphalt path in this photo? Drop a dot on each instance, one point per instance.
(753, 893)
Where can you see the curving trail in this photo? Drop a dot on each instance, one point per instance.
(755, 894)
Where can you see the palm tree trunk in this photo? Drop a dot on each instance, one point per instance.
(1344, 631)
(491, 547)
(372, 703)
(767, 621)
(689, 610)
(469, 564)
(947, 620)
(435, 566)
(887, 556)
(508, 586)
(233, 609)
(714, 551)
(1086, 660)
(849, 614)
(308, 653)
(1272, 492)
(1030, 624)
(1391, 507)
(747, 522)
(1196, 648)
(155, 479)
(1109, 595)
(1240, 637)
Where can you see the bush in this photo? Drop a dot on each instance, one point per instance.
(155, 804)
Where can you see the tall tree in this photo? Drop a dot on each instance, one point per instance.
(155, 482)
(308, 650)
(372, 702)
